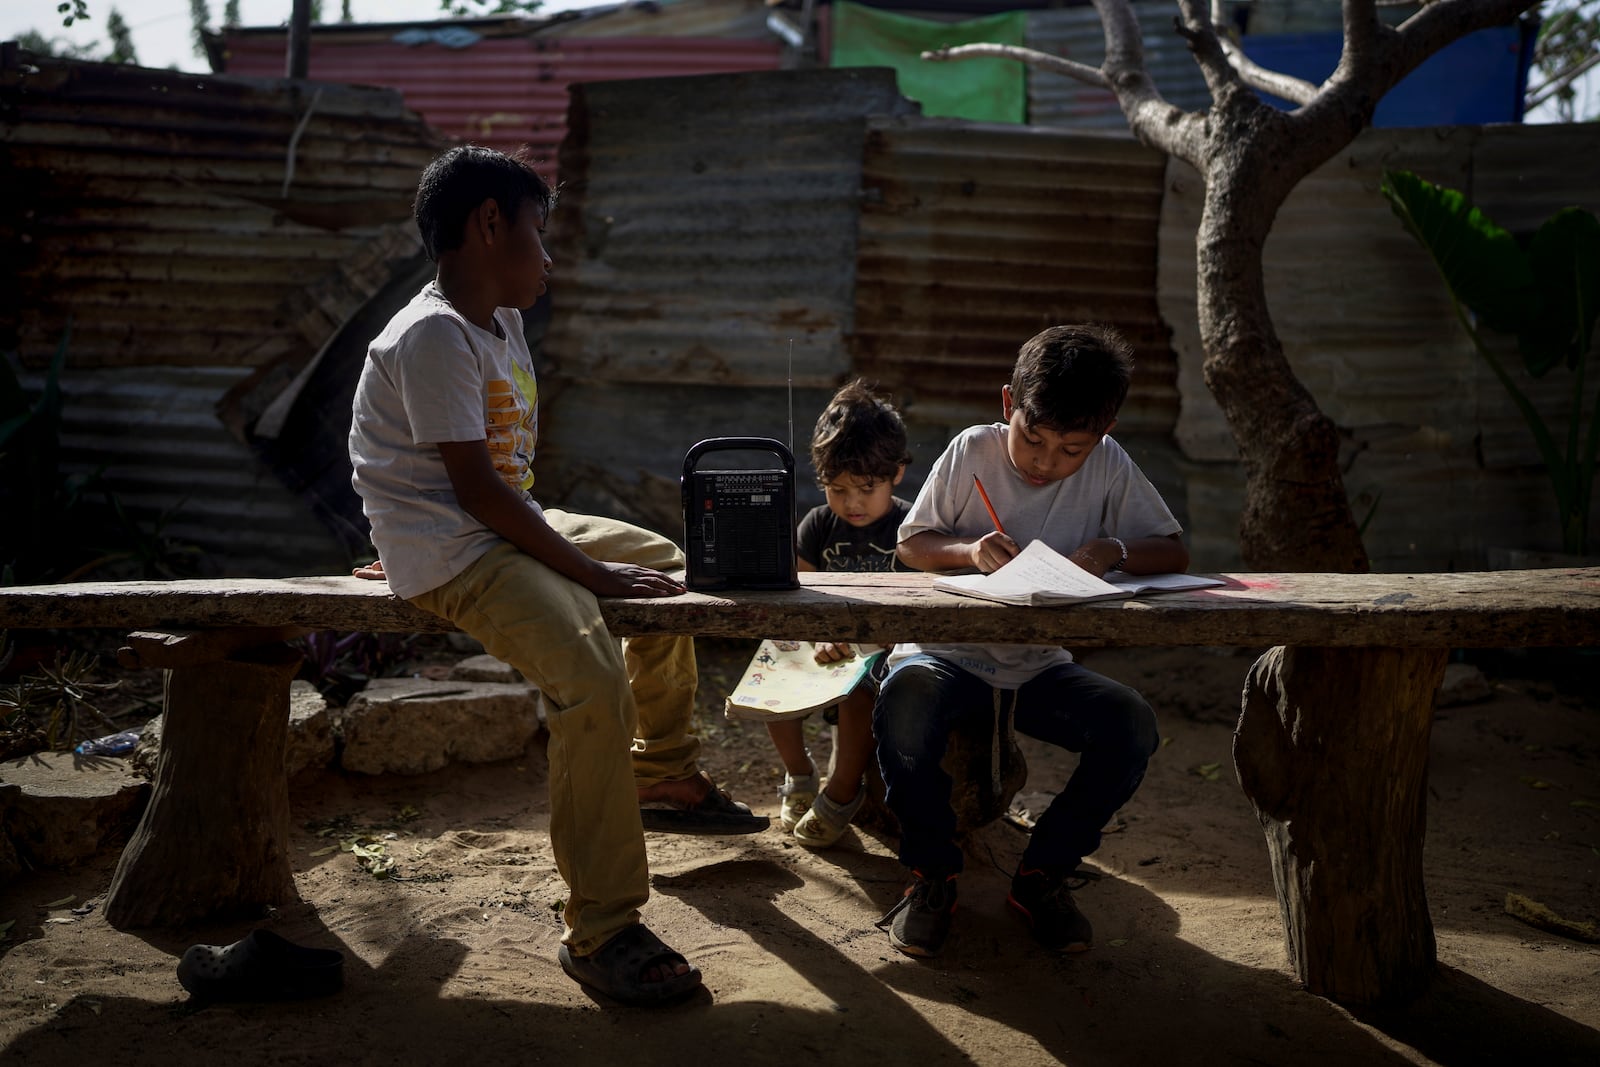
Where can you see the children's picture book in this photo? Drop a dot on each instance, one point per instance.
(1039, 576)
(785, 681)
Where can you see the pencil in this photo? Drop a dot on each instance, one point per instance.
(989, 507)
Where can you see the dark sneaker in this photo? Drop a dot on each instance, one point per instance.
(920, 923)
(1044, 902)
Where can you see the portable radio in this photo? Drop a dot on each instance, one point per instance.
(738, 525)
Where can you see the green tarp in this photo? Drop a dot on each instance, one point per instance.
(987, 90)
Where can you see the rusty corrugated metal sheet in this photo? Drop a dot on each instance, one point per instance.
(708, 223)
(502, 91)
(698, 240)
(151, 206)
(1438, 455)
(1076, 33)
(975, 237)
(173, 466)
(704, 252)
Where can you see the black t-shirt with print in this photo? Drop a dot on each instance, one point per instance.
(829, 543)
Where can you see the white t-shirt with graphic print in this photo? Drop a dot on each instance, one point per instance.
(1108, 496)
(433, 376)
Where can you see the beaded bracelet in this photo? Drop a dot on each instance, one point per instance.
(1121, 547)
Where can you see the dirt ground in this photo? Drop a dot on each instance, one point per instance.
(454, 956)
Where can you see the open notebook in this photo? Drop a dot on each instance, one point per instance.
(1039, 576)
(784, 681)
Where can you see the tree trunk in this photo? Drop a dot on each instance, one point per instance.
(214, 841)
(1332, 750)
(1296, 512)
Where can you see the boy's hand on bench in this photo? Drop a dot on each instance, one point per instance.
(631, 580)
(373, 570)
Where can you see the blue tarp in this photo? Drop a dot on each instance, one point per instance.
(1480, 78)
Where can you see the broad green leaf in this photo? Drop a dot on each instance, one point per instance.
(1565, 259)
(1481, 263)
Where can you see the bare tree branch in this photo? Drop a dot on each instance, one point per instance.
(1360, 27)
(1555, 84)
(1152, 120)
(1295, 90)
(1437, 25)
(1287, 86)
(1031, 57)
(1194, 26)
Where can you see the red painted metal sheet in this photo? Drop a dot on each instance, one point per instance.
(503, 92)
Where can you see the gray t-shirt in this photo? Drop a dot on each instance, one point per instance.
(1107, 497)
(433, 376)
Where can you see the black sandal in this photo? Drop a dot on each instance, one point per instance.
(617, 968)
(261, 966)
(716, 814)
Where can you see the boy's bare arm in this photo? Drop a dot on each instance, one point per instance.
(485, 496)
(1146, 555)
(934, 551)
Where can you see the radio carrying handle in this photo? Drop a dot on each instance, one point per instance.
(691, 458)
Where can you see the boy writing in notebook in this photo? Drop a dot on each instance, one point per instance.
(1051, 472)
(442, 445)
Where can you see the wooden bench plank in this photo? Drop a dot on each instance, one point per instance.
(1364, 655)
(1494, 609)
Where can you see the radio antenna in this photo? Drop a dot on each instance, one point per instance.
(791, 394)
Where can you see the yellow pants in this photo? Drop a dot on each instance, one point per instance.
(618, 717)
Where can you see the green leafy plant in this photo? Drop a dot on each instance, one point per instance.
(55, 706)
(1546, 293)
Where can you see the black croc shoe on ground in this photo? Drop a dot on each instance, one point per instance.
(262, 966)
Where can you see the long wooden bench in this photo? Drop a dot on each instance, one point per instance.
(1331, 747)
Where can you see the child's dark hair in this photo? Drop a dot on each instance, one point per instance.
(858, 433)
(1071, 378)
(455, 184)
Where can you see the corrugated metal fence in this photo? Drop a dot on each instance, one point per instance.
(966, 240)
(974, 238)
(704, 261)
(726, 236)
(704, 255)
(205, 235)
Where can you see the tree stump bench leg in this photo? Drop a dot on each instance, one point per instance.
(214, 840)
(1332, 750)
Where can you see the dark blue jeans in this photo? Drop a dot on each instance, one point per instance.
(925, 697)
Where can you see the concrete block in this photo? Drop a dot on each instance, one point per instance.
(485, 668)
(416, 725)
(57, 808)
